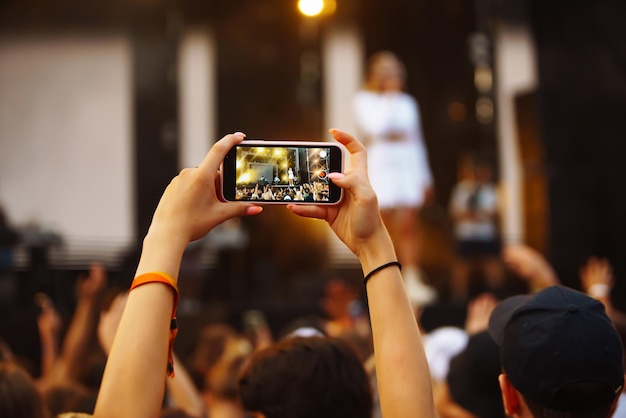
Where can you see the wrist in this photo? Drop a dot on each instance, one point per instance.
(164, 238)
(376, 251)
(161, 252)
(599, 290)
(163, 235)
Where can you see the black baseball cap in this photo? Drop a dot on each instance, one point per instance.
(554, 341)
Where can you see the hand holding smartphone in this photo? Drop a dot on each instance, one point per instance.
(282, 172)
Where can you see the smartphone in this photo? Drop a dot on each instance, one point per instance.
(282, 172)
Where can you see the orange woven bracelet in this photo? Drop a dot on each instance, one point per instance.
(160, 277)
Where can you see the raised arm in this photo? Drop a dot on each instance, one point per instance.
(183, 393)
(82, 329)
(402, 371)
(596, 279)
(530, 265)
(68, 365)
(49, 325)
(134, 377)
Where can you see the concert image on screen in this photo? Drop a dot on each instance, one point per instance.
(282, 173)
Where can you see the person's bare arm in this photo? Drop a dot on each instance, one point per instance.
(49, 326)
(402, 371)
(83, 325)
(67, 365)
(183, 392)
(134, 379)
(401, 367)
(530, 265)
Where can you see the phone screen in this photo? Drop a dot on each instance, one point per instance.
(282, 173)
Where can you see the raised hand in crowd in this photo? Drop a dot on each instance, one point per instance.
(596, 279)
(530, 265)
(49, 324)
(68, 366)
(478, 312)
(92, 285)
(82, 328)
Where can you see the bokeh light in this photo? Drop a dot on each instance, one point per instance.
(311, 7)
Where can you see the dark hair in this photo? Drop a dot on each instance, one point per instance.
(473, 377)
(208, 348)
(576, 392)
(69, 397)
(18, 395)
(174, 413)
(310, 377)
(222, 380)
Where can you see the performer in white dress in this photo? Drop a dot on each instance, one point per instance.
(291, 176)
(388, 121)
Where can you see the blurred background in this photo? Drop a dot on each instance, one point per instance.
(102, 103)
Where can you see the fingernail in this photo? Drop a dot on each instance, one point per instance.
(335, 176)
(240, 134)
(254, 210)
(332, 131)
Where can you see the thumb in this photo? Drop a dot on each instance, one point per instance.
(353, 183)
(340, 180)
(237, 209)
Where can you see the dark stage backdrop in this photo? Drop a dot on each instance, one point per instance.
(582, 106)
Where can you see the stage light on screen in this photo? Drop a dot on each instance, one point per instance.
(244, 178)
(323, 153)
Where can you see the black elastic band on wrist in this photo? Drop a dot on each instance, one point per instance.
(379, 268)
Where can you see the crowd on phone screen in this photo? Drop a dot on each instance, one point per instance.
(327, 365)
(306, 192)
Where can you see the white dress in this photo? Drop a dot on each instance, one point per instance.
(389, 125)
